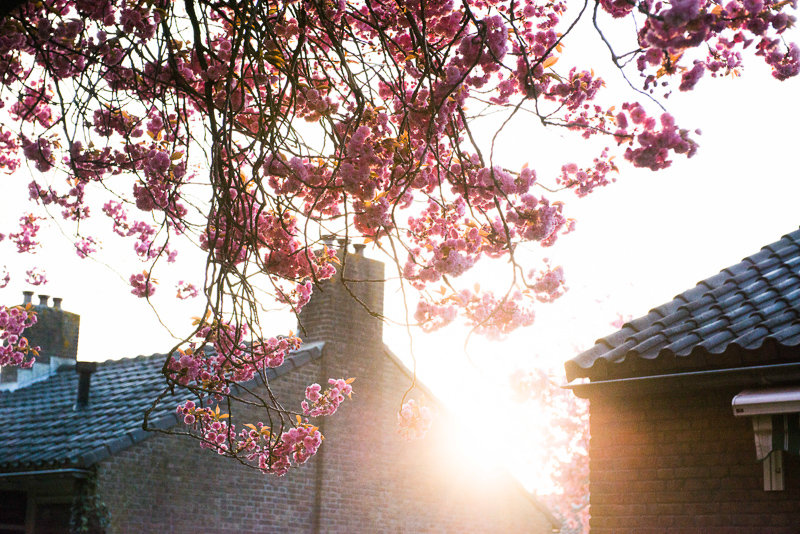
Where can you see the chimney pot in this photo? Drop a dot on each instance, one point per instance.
(85, 370)
(359, 248)
(43, 300)
(57, 303)
(328, 239)
(27, 297)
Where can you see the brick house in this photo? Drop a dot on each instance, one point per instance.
(694, 407)
(75, 430)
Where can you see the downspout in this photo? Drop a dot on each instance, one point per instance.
(316, 519)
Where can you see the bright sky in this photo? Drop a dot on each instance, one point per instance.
(638, 243)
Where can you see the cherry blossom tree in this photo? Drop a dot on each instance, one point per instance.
(562, 421)
(252, 129)
(568, 465)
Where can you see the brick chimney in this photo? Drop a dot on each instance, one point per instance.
(55, 332)
(333, 314)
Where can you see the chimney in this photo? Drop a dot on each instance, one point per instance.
(334, 315)
(55, 332)
(85, 370)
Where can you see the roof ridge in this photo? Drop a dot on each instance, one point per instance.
(145, 357)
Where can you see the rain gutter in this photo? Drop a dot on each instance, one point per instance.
(80, 473)
(761, 375)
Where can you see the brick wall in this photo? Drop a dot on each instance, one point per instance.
(168, 484)
(682, 463)
(364, 479)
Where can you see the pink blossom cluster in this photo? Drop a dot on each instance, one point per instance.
(784, 65)
(277, 454)
(144, 246)
(618, 8)
(306, 178)
(487, 314)
(36, 276)
(34, 106)
(14, 348)
(5, 276)
(85, 246)
(8, 149)
(577, 89)
(414, 420)
(328, 401)
(212, 425)
(448, 243)
(529, 384)
(585, 180)
(164, 173)
(654, 145)
(39, 152)
(724, 29)
(186, 290)
(272, 453)
(548, 284)
(108, 121)
(298, 296)
(274, 237)
(432, 316)
(234, 358)
(143, 285)
(26, 238)
(313, 104)
(72, 201)
(533, 219)
(119, 216)
(496, 317)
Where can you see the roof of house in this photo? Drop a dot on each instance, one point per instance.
(747, 315)
(42, 428)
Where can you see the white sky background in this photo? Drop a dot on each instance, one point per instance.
(638, 243)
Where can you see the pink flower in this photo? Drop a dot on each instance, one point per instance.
(143, 285)
(186, 290)
(414, 420)
(14, 348)
(328, 402)
(36, 276)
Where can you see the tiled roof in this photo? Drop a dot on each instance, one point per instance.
(41, 426)
(748, 314)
